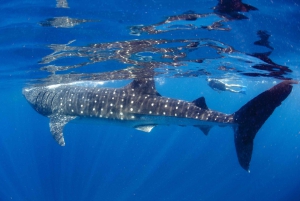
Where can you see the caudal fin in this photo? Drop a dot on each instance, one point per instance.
(253, 115)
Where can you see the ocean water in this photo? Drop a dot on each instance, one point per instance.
(179, 43)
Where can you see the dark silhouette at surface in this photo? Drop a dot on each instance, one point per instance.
(264, 39)
(272, 69)
(231, 8)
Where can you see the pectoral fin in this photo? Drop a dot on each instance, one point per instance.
(145, 128)
(57, 123)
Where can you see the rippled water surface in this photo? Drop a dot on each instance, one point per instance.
(183, 45)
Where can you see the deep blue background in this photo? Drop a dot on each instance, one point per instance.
(170, 163)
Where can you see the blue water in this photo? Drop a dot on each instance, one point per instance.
(106, 162)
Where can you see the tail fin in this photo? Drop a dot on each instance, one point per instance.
(253, 115)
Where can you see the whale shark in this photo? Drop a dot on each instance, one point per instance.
(140, 106)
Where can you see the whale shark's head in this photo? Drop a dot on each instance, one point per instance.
(35, 95)
(30, 94)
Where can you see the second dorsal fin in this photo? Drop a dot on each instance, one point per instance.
(200, 102)
(143, 86)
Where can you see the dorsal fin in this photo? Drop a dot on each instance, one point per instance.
(143, 86)
(200, 102)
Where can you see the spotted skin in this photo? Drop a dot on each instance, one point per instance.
(139, 105)
(122, 104)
